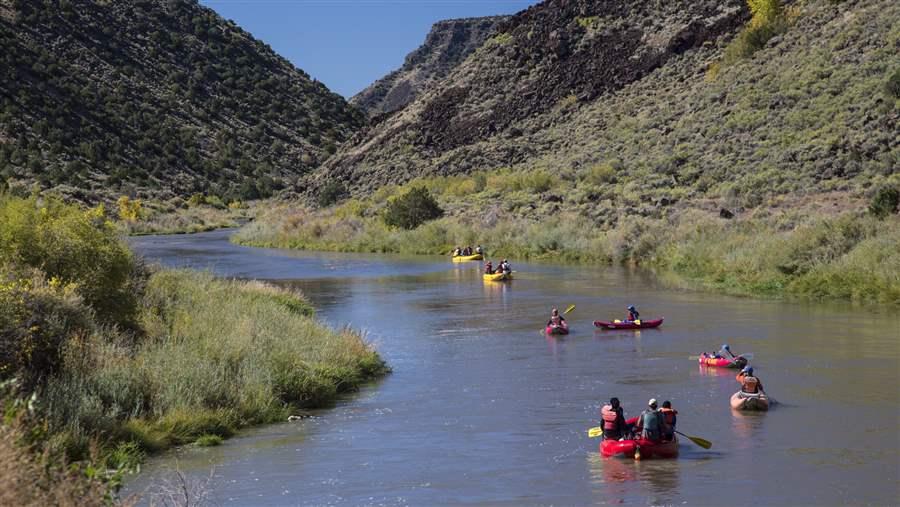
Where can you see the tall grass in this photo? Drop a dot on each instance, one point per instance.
(849, 256)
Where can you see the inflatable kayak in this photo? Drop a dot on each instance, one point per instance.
(466, 258)
(747, 401)
(620, 324)
(639, 449)
(722, 362)
(560, 329)
(497, 277)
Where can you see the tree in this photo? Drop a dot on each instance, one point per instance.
(412, 209)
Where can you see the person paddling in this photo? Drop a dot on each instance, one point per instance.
(669, 419)
(633, 314)
(488, 268)
(749, 383)
(614, 425)
(505, 267)
(478, 250)
(457, 252)
(650, 422)
(556, 320)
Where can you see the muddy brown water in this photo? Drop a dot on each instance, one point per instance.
(483, 409)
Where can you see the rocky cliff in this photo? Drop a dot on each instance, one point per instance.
(156, 97)
(568, 86)
(446, 46)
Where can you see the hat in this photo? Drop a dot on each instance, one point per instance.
(652, 402)
(630, 307)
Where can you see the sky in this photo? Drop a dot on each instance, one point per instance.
(348, 44)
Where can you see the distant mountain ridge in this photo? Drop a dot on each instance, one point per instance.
(448, 43)
(155, 97)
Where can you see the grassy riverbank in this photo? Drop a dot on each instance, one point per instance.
(802, 247)
(123, 361)
(177, 216)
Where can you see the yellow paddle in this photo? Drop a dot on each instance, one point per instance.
(595, 432)
(706, 444)
(569, 309)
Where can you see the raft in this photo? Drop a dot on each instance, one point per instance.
(722, 362)
(467, 258)
(746, 401)
(497, 277)
(645, 324)
(563, 328)
(639, 449)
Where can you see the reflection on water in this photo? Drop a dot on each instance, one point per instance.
(483, 408)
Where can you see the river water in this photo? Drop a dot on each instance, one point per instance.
(482, 408)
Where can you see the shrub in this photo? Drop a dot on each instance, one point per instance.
(884, 203)
(332, 192)
(412, 209)
(892, 86)
(129, 211)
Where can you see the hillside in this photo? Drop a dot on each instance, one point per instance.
(154, 97)
(448, 43)
(619, 91)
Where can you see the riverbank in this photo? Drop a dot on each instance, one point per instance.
(198, 214)
(122, 360)
(824, 246)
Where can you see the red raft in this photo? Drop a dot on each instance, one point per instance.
(563, 328)
(645, 324)
(639, 448)
(721, 362)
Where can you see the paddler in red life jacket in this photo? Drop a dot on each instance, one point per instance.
(633, 314)
(669, 419)
(488, 268)
(749, 383)
(614, 426)
(556, 319)
(650, 422)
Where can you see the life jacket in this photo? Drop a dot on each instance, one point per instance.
(650, 422)
(555, 320)
(668, 415)
(489, 269)
(749, 384)
(610, 418)
(634, 316)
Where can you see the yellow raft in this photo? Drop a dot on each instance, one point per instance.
(466, 258)
(497, 277)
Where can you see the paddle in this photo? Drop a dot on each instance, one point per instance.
(595, 432)
(569, 309)
(706, 444)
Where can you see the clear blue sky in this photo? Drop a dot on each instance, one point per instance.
(348, 44)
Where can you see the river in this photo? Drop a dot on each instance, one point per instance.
(482, 408)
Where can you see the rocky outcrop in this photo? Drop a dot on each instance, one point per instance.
(557, 52)
(446, 46)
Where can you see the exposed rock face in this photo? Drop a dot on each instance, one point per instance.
(154, 96)
(556, 51)
(446, 46)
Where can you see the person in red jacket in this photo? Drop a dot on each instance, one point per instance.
(614, 426)
(669, 419)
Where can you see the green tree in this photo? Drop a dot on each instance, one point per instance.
(412, 209)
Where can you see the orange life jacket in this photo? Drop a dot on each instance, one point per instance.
(609, 418)
(749, 384)
(668, 416)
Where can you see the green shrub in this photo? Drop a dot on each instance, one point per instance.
(332, 192)
(884, 202)
(412, 209)
(892, 86)
(209, 440)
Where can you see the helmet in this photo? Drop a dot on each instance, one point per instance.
(652, 403)
(726, 347)
(667, 404)
(630, 307)
(748, 370)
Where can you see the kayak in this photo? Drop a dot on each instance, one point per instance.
(618, 324)
(560, 329)
(639, 448)
(747, 401)
(497, 277)
(466, 258)
(722, 362)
